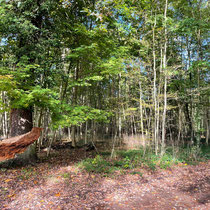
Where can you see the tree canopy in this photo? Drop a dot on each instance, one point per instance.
(114, 67)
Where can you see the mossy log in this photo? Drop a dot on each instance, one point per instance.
(18, 144)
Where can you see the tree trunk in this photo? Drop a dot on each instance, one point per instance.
(155, 89)
(9, 148)
(165, 86)
(21, 122)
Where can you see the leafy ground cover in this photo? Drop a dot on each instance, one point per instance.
(131, 159)
(76, 179)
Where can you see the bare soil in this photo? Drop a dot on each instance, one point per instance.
(57, 183)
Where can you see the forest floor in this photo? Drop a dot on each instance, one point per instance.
(57, 183)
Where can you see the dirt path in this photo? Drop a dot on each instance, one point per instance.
(58, 185)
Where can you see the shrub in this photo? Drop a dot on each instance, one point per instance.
(97, 164)
(66, 175)
(136, 158)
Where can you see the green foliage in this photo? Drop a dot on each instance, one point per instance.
(194, 154)
(167, 160)
(27, 173)
(80, 60)
(76, 115)
(131, 153)
(6, 82)
(66, 175)
(132, 159)
(97, 165)
(124, 163)
(205, 152)
(116, 64)
(137, 172)
(138, 158)
(38, 96)
(35, 73)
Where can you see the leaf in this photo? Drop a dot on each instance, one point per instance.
(8, 180)
(11, 195)
(58, 194)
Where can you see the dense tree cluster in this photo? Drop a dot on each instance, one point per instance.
(98, 69)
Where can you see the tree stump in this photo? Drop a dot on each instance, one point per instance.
(18, 144)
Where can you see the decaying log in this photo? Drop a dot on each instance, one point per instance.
(18, 144)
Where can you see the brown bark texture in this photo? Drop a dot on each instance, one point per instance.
(21, 121)
(16, 145)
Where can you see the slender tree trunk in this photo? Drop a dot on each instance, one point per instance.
(180, 124)
(86, 131)
(199, 105)
(119, 109)
(207, 126)
(141, 108)
(4, 117)
(51, 142)
(191, 126)
(165, 84)
(158, 116)
(155, 89)
(73, 136)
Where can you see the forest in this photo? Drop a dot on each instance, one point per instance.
(96, 92)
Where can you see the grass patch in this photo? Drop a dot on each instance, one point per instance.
(106, 153)
(132, 159)
(136, 172)
(97, 165)
(194, 154)
(205, 152)
(66, 175)
(27, 173)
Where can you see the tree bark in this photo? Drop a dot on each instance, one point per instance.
(16, 145)
(21, 122)
(165, 85)
(155, 89)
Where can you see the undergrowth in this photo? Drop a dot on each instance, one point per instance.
(132, 159)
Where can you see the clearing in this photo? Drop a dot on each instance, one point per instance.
(57, 183)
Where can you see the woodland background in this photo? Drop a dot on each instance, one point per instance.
(131, 71)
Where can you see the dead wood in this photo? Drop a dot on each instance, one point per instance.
(18, 144)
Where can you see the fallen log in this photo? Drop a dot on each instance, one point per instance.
(18, 144)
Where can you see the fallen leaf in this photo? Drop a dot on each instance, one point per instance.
(11, 195)
(58, 194)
